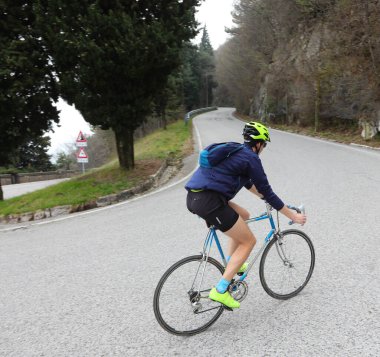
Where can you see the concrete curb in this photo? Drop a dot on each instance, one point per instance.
(365, 146)
(169, 166)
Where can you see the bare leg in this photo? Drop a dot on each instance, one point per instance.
(244, 240)
(244, 214)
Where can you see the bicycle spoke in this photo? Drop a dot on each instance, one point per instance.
(295, 286)
(286, 269)
(178, 289)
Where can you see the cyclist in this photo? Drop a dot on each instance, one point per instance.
(209, 196)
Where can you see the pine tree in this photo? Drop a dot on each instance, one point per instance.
(191, 75)
(207, 65)
(33, 155)
(205, 45)
(113, 57)
(27, 83)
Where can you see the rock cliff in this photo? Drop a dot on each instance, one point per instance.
(329, 69)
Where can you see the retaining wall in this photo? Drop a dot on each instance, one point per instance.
(8, 179)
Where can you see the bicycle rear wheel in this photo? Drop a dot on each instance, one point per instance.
(181, 303)
(287, 264)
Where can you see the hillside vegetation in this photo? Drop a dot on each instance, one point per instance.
(151, 150)
(309, 63)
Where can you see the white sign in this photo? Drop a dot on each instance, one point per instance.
(81, 140)
(82, 156)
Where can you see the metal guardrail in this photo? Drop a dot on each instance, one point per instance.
(195, 112)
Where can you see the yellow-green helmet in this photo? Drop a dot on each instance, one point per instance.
(255, 131)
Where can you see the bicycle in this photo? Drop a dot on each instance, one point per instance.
(181, 304)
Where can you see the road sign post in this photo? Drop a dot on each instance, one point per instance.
(82, 156)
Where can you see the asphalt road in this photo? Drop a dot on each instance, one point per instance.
(83, 285)
(22, 188)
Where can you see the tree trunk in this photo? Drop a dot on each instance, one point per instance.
(369, 33)
(163, 119)
(317, 102)
(286, 110)
(124, 147)
(1, 193)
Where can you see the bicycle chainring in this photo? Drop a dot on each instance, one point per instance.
(238, 290)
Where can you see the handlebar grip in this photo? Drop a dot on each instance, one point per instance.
(300, 209)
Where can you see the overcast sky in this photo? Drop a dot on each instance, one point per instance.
(215, 14)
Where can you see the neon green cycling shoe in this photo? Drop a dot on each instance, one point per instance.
(226, 299)
(243, 268)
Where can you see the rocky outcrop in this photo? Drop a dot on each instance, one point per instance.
(328, 69)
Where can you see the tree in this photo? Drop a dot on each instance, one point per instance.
(65, 161)
(100, 147)
(100, 150)
(27, 83)
(246, 59)
(191, 75)
(33, 155)
(160, 102)
(207, 65)
(112, 57)
(237, 73)
(316, 8)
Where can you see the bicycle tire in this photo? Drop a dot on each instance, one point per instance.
(169, 313)
(272, 256)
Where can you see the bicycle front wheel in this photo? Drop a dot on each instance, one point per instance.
(287, 264)
(181, 303)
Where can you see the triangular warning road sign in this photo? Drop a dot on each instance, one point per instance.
(81, 138)
(82, 154)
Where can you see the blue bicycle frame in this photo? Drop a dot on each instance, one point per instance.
(213, 237)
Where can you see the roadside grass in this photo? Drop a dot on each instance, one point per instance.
(150, 151)
(175, 141)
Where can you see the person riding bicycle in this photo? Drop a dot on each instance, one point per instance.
(210, 191)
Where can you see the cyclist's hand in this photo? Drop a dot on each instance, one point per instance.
(295, 217)
(299, 218)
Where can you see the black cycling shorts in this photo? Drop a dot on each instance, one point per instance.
(213, 207)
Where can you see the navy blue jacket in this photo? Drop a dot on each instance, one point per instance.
(244, 168)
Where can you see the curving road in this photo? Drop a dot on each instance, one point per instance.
(83, 285)
(22, 188)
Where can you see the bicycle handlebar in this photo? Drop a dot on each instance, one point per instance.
(300, 209)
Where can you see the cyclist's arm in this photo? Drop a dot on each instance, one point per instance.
(255, 172)
(299, 218)
(253, 189)
(292, 215)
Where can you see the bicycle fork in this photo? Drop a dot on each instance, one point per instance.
(281, 251)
